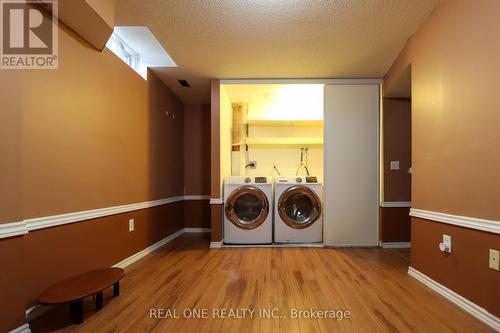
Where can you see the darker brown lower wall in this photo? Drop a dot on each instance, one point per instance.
(465, 270)
(12, 300)
(37, 260)
(216, 222)
(395, 224)
(55, 253)
(42, 257)
(197, 214)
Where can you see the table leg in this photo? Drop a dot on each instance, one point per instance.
(116, 289)
(98, 300)
(76, 308)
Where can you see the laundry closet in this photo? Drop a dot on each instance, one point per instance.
(299, 162)
(277, 129)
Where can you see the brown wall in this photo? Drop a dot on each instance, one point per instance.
(455, 75)
(394, 224)
(215, 186)
(95, 134)
(91, 134)
(197, 165)
(397, 147)
(455, 108)
(12, 277)
(52, 254)
(197, 147)
(465, 270)
(10, 145)
(197, 214)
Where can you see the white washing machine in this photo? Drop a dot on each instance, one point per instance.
(248, 203)
(298, 208)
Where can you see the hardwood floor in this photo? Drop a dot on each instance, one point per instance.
(372, 284)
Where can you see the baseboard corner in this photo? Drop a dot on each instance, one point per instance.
(21, 329)
(460, 301)
(216, 245)
(395, 245)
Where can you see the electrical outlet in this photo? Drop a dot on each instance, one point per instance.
(445, 246)
(131, 225)
(494, 260)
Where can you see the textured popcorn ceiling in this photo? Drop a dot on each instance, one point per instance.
(279, 38)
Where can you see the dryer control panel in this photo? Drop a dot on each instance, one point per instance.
(260, 180)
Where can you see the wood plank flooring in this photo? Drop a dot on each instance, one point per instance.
(370, 283)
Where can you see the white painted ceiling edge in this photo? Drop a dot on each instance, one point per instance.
(143, 42)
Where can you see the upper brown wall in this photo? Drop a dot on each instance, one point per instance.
(397, 147)
(455, 77)
(10, 145)
(215, 191)
(197, 149)
(95, 134)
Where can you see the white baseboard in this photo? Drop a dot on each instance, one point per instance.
(276, 245)
(38, 310)
(475, 310)
(197, 230)
(395, 204)
(395, 245)
(364, 246)
(216, 201)
(216, 245)
(22, 329)
(133, 258)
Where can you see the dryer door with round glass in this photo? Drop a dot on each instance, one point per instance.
(247, 207)
(299, 207)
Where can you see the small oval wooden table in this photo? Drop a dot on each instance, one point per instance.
(74, 289)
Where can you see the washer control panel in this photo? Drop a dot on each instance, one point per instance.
(311, 179)
(260, 180)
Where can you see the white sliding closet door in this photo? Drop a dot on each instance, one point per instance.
(351, 175)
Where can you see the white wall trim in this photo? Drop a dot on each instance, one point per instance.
(196, 197)
(475, 310)
(22, 329)
(462, 221)
(23, 227)
(394, 204)
(216, 201)
(395, 245)
(55, 220)
(13, 229)
(216, 245)
(301, 81)
(38, 310)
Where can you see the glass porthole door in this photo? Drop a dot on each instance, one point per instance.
(299, 207)
(247, 207)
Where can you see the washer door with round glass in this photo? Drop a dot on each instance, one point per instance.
(299, 207)
(247, 207)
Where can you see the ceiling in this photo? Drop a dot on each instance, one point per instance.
(276, 38)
